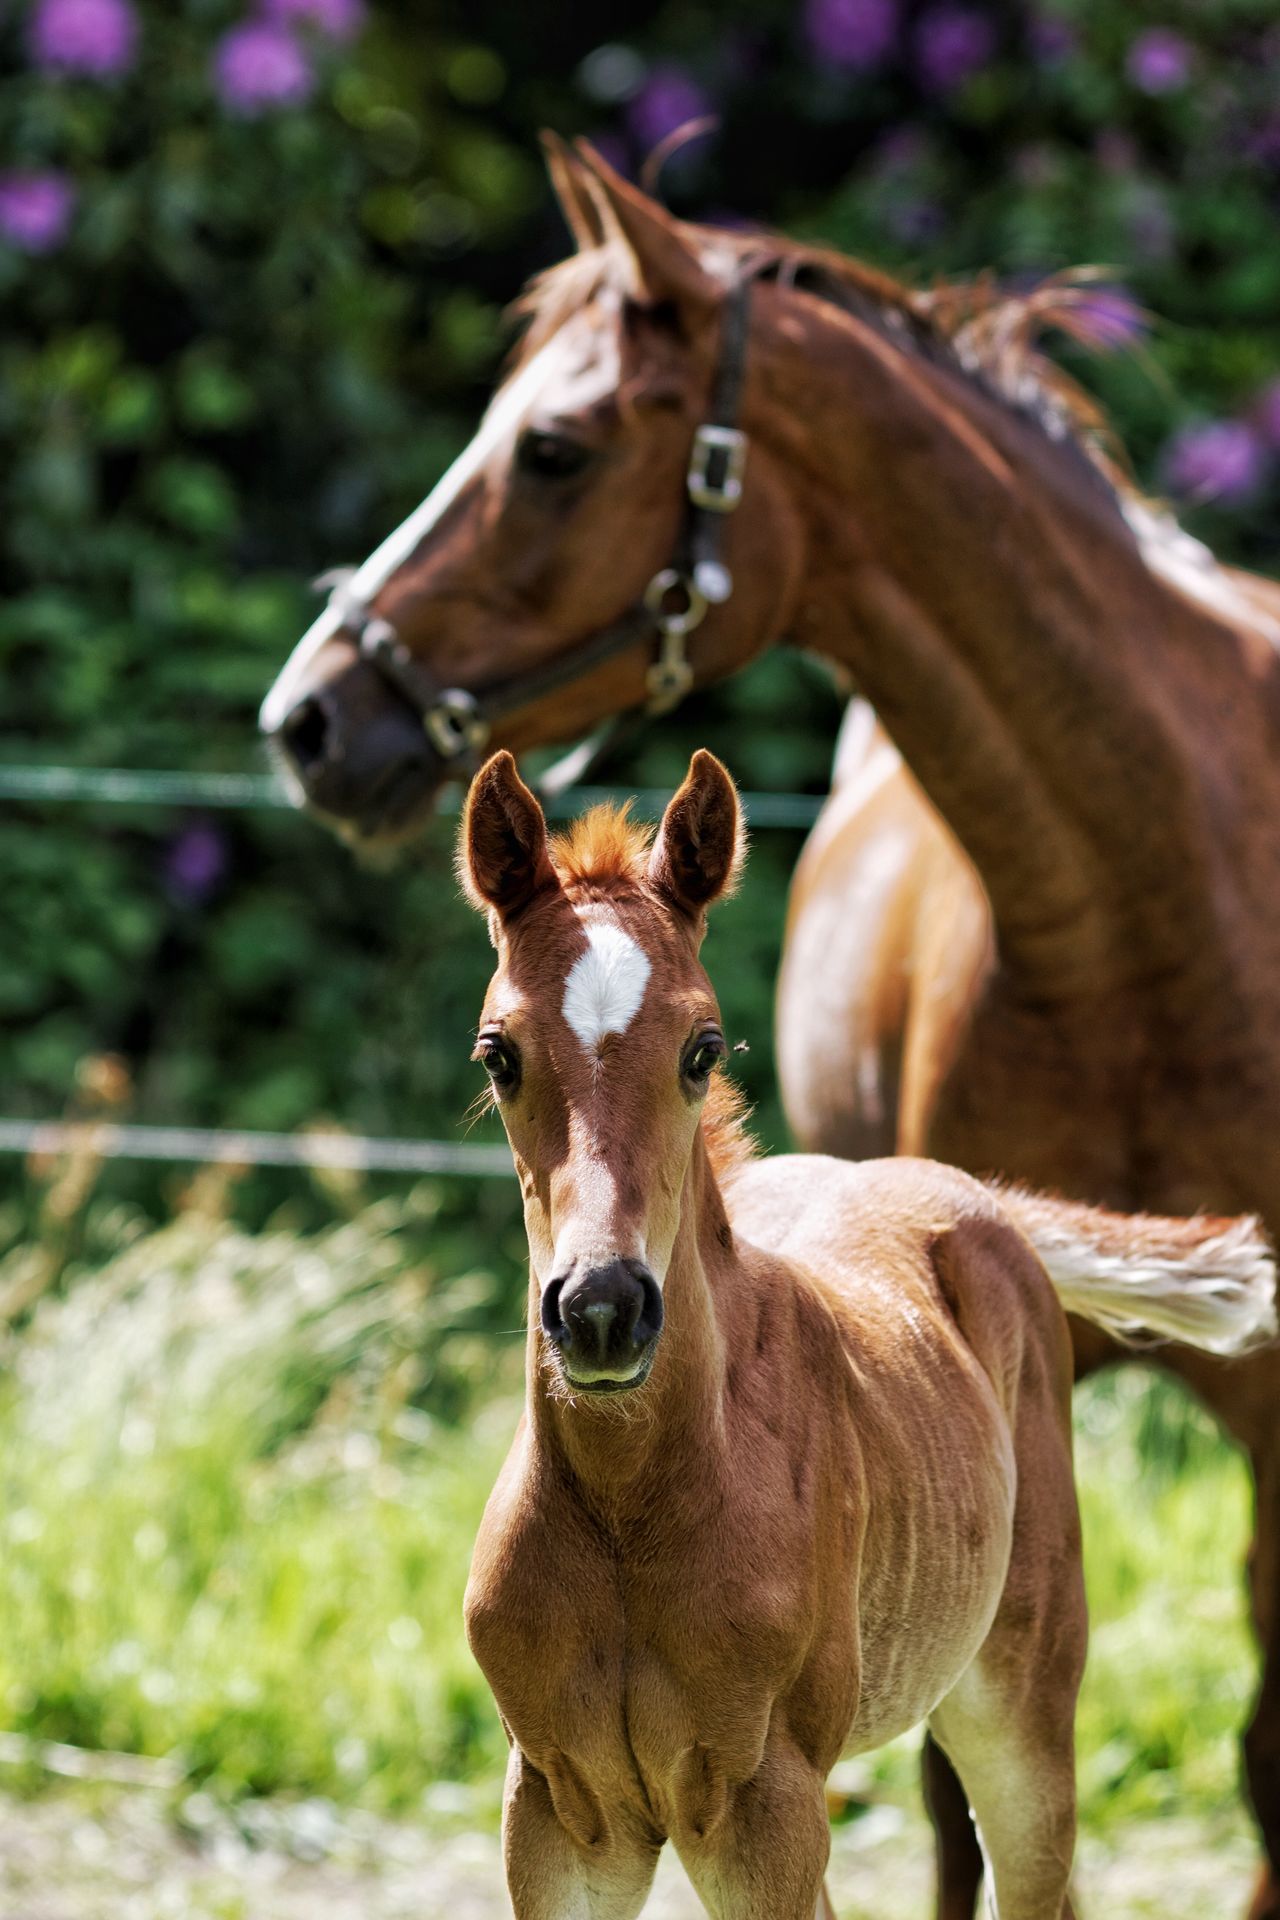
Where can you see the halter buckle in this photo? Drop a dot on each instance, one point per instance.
(455, 725)
(671, 675)
(716, 464)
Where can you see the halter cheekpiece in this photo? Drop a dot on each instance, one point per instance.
(459, 723)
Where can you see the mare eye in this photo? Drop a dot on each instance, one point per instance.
(499, 1062)
(699, 1062)
(551, 456)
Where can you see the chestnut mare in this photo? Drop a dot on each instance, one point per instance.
(1088, 996)
(795, 1467)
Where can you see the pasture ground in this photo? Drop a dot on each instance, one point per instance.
(80, 1856)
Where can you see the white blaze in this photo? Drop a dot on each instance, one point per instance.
(606, 985)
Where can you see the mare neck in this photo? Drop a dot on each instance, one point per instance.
(1045, 686)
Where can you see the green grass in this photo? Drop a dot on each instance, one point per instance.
(240, 1476)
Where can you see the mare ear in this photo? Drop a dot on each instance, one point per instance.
(700, 844)
(571, 184)
(665, 267)
(502, 848)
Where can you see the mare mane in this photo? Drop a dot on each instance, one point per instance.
(602, 855)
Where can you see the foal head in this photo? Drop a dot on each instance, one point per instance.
(567, 505)
(600, 1034)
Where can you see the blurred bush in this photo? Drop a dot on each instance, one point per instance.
(253, 255)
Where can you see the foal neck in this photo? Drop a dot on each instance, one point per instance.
(617, 1451)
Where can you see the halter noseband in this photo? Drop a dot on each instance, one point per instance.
(675, 602)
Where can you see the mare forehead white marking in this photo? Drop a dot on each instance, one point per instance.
(606, 984)
(574, 358)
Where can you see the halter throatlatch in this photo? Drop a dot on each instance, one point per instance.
(675, 602)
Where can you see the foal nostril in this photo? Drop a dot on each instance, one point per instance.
(305, 734)
(552, 1325)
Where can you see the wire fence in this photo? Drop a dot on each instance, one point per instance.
(345, 1152)
(244, 792)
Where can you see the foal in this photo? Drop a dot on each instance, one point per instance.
(795, 1468)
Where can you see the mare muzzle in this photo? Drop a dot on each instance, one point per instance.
(604, 1323)
(359, 753)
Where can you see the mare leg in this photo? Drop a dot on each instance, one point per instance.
(1262, 1740)
(553, 1875)
(763, 1856)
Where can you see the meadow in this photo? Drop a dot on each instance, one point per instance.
(241, 1472)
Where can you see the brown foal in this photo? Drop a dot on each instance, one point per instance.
(795, 1467)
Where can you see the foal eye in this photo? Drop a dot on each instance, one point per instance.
(499, 1062)
(551, 456)
(702, 1057)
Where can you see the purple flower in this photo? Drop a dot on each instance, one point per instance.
(952, 44)
(336, 19)
(195, 863)
(1052, 40)
(1267, 413)
(1159, 61)
(668, 99)
(98, 37)
(1219, 460)
(35, 210)
(857, 34)
(259, 65)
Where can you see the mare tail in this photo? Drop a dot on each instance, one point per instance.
(1208, 1282)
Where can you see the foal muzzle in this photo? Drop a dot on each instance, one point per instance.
(604, 1323)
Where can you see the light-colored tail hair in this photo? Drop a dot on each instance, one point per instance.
(1208, 1282)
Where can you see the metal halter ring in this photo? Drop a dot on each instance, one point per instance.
(675, 619)
(455, 725)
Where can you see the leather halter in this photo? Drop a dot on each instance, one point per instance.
(458, 723)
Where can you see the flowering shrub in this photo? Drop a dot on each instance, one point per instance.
(252, 254)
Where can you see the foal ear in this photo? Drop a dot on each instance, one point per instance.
(700, 844)
(665, 266)
(502, 848)
(571, 184)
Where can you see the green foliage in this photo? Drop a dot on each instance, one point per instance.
(239, 1479)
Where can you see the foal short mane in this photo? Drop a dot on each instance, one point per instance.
(605, 852)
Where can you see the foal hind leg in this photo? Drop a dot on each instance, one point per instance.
(956, 1850)
(1016, 1759)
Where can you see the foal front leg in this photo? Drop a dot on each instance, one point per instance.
(763, 1855)
(575, 1868)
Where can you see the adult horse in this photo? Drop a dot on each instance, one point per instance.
(794, 1471)
(1088, 701)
